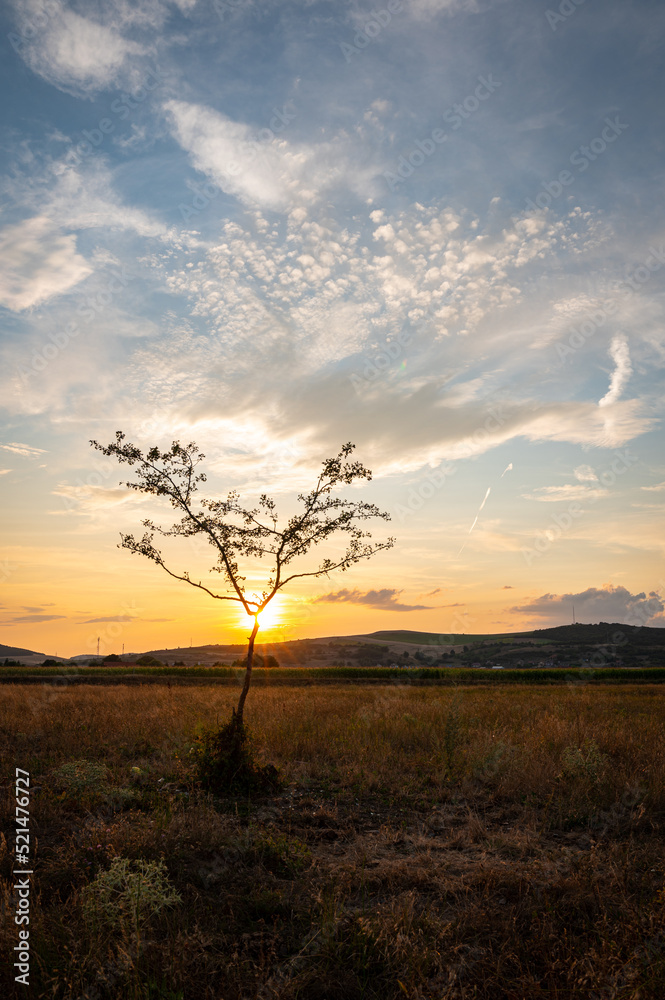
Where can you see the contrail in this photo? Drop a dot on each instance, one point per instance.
(489, 490)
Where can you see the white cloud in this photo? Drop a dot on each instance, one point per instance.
(71, 52)
(559, 494)
(37, 261)
(585, 474)
(276, 174)
(656, 488)
(26, 450)
(622, 371)
(74, 53)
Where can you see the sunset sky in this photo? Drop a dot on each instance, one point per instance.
(436, 230)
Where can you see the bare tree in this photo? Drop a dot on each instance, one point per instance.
(234, 531)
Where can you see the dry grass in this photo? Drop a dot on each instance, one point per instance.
(486, 843)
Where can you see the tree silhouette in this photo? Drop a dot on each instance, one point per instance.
(233, 531)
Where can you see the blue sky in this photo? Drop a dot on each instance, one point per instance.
(432, 228)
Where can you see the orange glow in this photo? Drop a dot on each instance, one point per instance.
(270, 619)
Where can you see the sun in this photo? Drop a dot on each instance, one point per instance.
(271, 617)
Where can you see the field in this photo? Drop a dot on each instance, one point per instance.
(429, 842)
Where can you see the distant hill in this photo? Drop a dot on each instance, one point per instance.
(17, 651)
(333, 648)
(602, 632)
(432, 638)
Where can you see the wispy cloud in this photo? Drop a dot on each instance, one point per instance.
(560, 494)
(622, 371)
(381, 600)
(26, 450)
(30, 619)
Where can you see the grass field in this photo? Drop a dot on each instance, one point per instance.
(498, 842)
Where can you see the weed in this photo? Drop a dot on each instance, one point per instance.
(81, 776)
(282, 855)
(128, 894)
(586, 761)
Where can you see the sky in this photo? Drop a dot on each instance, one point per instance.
(432, 228)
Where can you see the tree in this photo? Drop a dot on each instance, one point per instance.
(234, 531)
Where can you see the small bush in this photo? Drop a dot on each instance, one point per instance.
(226, 762)
(128, 894)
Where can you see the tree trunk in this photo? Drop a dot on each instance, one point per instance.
(248, 671)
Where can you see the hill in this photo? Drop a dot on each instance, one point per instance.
(566, 643)
(18, 651)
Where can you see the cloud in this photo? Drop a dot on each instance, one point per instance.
(320, 304)
(30, 619)
(74, 53)
(36, 263)
(608, 604)
(622, 371)
(26, 450)
(3, 472)
(110, 618)
(382, 600)
(559, 494)
(276, 174)
(585, 474)
(507, 586)
(122, 618)
(656, 488)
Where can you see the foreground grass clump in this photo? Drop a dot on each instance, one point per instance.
(226, 762)
(427, 843)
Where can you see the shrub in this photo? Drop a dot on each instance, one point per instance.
(226, 761)
(149, 661)
(259, 661)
